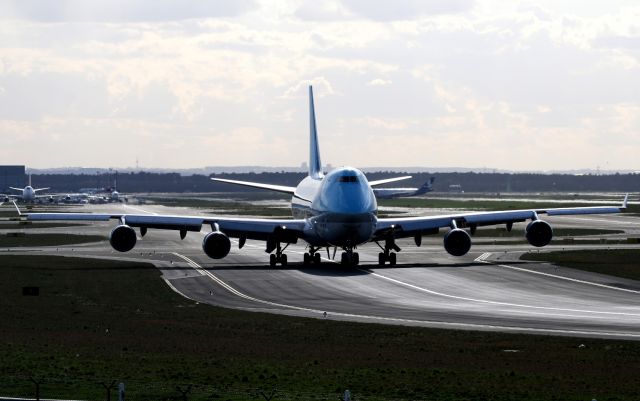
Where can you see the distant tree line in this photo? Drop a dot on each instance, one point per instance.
(469, 182)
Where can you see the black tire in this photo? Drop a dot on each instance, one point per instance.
(355, 259)
(272, 260)
(381, 259)
(316, 258)
(392, 259)
(307, 259)
(283, 259)
(344, 259)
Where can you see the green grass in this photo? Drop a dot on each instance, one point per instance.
(614, 262)
(236, 207)
(31, 240)
(103, 320)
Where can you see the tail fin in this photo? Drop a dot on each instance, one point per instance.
(29, 179)
(315, 165)
(426, 187)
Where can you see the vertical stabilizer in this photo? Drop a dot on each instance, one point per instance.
(315, 166)
(29, 179)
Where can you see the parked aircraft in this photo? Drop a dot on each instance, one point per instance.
(28, 194)
(337, 209)
(389, 193)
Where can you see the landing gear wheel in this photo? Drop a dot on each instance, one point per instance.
(355, 258)
(392, 259)
(382, 258)
(316, 258)
(307, 259)
(273, 260)
(344, 258)
(283, 259)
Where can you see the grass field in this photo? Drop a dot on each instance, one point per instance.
(97, 321)
(616, 262)
(31, 240)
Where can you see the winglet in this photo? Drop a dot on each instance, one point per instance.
(315, 166)
(624, 202)
(17, 208)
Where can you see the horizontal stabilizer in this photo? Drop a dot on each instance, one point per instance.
(388, 180)
(270, 187)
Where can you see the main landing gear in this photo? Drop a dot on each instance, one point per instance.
(279, 256)
(386, 255)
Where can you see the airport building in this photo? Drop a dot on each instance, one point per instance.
(11, 176)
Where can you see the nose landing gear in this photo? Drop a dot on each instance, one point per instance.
(313, 256)
(349, 258)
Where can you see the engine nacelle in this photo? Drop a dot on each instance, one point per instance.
(457, 242)
(216, 245)
(122, 238)
(539, 233)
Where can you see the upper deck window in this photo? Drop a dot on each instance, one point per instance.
(348, 178)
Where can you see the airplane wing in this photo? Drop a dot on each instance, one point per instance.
(41, 189)
(388, 180)
(286, 230)
(277, 188)
(17, 189)
(412, 226)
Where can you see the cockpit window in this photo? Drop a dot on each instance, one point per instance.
(349, 178)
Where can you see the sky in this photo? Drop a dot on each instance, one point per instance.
(516, 85)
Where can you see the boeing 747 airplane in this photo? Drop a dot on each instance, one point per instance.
(390, 193)
(28, 193)
(337, 209)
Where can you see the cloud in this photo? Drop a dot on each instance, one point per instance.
(321, 87)
(121, 10)
(617, 42)
(313, 10)
(383, 10)
(459, 83)
(379, 82)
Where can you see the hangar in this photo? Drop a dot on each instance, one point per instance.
(11, 176)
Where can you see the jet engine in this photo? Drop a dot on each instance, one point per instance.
(216, 245)
(457, 242)
(122, 238)
(539, 233)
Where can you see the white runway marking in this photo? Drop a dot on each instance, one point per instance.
(485, 301)
(566, 278)
(399, 320)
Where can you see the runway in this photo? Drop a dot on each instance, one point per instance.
(487, 289)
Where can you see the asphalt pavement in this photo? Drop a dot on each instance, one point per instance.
(487, 289)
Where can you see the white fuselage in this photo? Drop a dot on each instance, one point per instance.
(340, 207)
(28, 194)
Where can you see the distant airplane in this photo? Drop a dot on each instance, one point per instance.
(336, 210)
(389, 193)
(28, 193)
